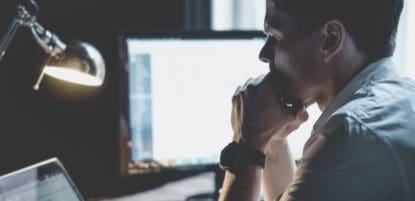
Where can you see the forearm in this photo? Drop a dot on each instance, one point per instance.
(257, 115)
(279, 169)
(245, 185)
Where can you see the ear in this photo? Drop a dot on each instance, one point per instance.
(334, 35)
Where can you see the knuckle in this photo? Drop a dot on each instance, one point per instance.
(234, 100)
(247, 83)
(237, 91)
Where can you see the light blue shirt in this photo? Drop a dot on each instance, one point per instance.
(363, 145)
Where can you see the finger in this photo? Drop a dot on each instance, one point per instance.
(302, 115)
(241, 110)
(236, 115)
(237, 90)
(252, 82)
(241, 89)
(269, 79)
(247, 83)
(241, 106)
(235, 99)
(258, 80)
(292, 127)
(255, 81)
(236, 118)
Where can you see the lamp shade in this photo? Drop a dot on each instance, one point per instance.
(79, 63)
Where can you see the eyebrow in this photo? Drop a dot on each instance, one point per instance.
(276, 18)
(269, 31)
(277, 22)
(275, 25)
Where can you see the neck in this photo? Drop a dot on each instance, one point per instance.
(343, 71)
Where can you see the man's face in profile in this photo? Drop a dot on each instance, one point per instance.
(292, 55)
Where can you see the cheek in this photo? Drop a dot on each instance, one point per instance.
(298, 66)
(293, 62)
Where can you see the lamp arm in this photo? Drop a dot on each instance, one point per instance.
(22, 18)
(49, 41)
(93, 64)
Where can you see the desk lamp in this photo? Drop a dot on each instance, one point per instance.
(76, 62)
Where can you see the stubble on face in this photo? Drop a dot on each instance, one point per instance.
(294, 61)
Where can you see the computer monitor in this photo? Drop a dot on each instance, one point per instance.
(177, 95)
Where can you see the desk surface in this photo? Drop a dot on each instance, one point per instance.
(175, 191)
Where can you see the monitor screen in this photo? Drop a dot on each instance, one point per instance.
(179, 96)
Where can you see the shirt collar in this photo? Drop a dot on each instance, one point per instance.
(379, 70)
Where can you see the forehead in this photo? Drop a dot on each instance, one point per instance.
(279, 5)
(276, 17)
(275, 9)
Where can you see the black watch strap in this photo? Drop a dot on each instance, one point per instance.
(236, 155)
(255, 157)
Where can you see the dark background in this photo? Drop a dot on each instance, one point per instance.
(80, 125)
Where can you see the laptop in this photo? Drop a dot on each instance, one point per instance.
(44, 181)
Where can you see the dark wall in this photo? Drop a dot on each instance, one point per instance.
(78, 125)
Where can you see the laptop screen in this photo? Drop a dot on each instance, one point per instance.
(44, 181)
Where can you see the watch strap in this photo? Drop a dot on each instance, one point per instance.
(236, 155)
(254, 157)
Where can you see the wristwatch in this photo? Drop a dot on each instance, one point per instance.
(236, 155)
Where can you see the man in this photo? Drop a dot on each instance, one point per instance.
(335, 53)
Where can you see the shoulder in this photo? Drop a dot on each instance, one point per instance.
(344, 136)
(345, 161)
(364, 149)
(380, 107)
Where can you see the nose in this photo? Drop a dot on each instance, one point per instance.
(266, 53)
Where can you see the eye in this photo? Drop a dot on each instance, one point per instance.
(277, 38)
(273, 36)
(274, 39)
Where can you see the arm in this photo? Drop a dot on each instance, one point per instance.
(258, 115)
(279, 169)
(245, 186)
(277, 175)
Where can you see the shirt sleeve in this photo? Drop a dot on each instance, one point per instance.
(345, 161)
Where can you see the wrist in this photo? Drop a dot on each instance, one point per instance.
(236, 156)
(254, 144)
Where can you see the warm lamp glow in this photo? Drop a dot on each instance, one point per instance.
(72, 76)
(79, 63)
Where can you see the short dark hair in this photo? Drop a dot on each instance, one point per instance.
(371, 23)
